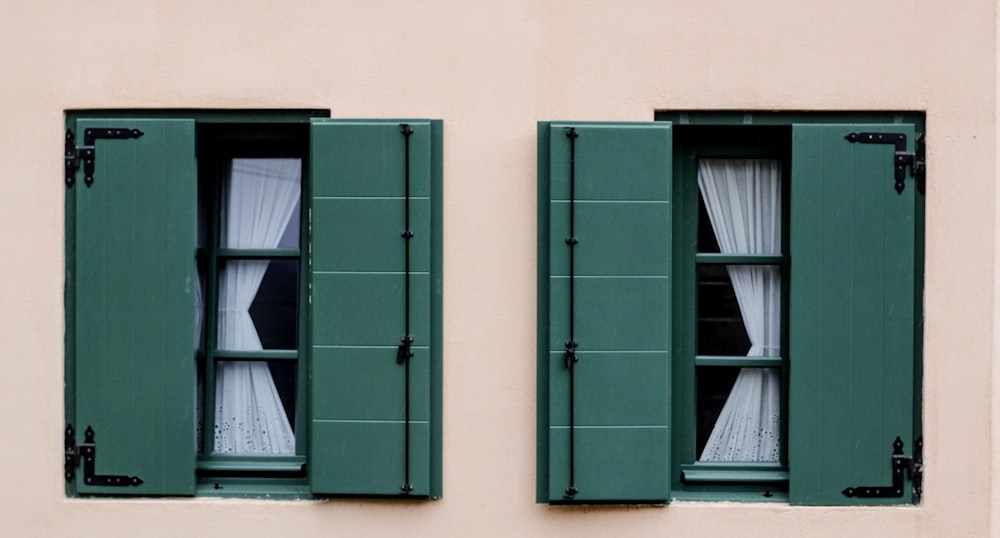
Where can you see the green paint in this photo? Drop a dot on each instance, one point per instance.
(357, 308)
(133, 298)
(622, 305)
(852, 319)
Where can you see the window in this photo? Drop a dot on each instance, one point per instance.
(731, 260)
(302, 256)
(729, 308)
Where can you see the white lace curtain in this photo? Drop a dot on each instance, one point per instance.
(259, 199)
(743, 198)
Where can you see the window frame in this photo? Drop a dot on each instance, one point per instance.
(743, 481)
(217, 145)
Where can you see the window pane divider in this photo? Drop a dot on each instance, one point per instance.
(739, 259)
(740, 361)
(266, 463)
(258, 253)
(261, 355)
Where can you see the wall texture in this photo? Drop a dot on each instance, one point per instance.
(491, 70)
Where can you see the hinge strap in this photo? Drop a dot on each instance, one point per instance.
(900, 463)
(571, 344)
(405, 352)
(901, 158)
(88, 451)
(73, 154)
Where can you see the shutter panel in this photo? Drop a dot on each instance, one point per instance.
(358, 439)
(851, 316)
(621, 312)
(130, 307)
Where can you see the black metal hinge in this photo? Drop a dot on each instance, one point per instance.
(913, 466)
(88, 451)
(73, 154)
(916, 161)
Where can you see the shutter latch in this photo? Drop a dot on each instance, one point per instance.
(913, 466)
(916, 161)
(86, 153)
(88, 452)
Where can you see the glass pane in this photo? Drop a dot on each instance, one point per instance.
(706, 236)
(722, 327)
(258, 305)
(204, 213)
(275, 308)
(259, 203)
(284, 374)
(200, 407)
(720, 324)
(738, 414)
(739, 206)
(255, 407)
(290, 237)
(714, 385)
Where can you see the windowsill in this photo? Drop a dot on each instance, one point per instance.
(254, 489)
(729, 496)
(742, 473)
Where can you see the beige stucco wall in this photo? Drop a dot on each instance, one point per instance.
(490, 70)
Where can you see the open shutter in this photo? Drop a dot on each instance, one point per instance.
(372, 428)
(851, 322)
(131, 307)
(604, 419)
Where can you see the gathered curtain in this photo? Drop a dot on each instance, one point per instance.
(743, 200)
(259, 199)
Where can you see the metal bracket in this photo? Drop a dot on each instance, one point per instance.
(88, 451)
(913, 466)
(571, 357)
(86, 153)
(916, 161)
(403, 352)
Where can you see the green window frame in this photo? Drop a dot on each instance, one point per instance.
(366, 424)
(692, 479)
(852, 269)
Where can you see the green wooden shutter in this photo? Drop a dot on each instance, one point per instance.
(130, 307)
(358, 392)
(622, 312)
(851, 317)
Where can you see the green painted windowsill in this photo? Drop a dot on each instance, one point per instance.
(729, 496)
(735, 473)
(275, 489)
